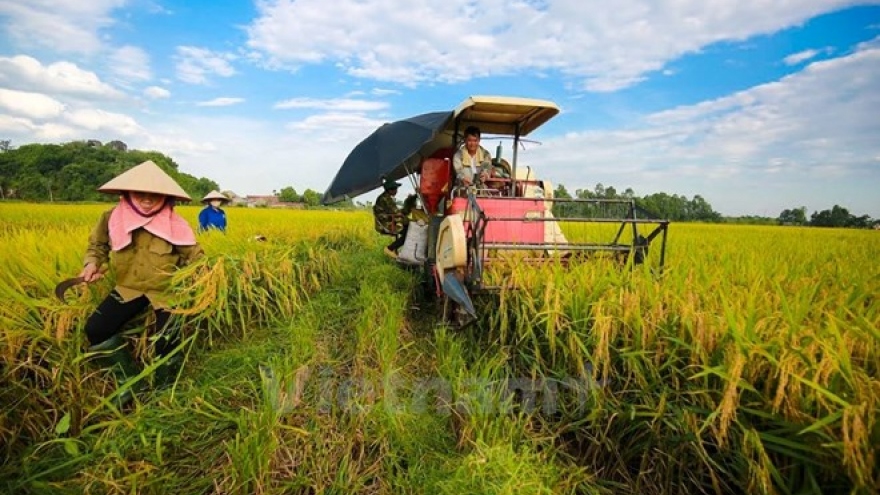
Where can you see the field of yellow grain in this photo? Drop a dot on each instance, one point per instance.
(315, 365)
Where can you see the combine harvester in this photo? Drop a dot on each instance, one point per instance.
(463, 233)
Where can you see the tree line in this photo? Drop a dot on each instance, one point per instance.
(837, 216)
(658, 205)
(309, 197)
(697, 209)
(73, 171)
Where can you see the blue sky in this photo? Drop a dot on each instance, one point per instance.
(756, 105)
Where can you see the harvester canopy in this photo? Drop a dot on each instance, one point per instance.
(396, 149)
(503, 115)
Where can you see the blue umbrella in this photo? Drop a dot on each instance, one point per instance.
(387, 153)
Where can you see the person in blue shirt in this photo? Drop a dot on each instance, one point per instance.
(212, 216)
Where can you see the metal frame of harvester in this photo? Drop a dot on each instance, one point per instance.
(469, 228)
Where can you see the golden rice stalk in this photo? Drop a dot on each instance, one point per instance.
(858, 450)
(730, 400)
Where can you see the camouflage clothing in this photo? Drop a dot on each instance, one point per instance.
(389, 220)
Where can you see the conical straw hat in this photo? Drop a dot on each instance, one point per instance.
(214, 195)
(146, 177)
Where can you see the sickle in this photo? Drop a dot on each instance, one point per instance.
(61, 288)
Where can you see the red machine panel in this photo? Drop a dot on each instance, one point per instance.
(434, 184)
(520, 230)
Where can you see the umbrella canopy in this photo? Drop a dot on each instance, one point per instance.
(391, 151)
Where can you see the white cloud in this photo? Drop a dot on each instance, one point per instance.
(154, 7)
(796, 58)
(872, 43)
(156, 92)
(195, 65)
(458, 40)
(94, 119)
(339, 122)
(15, 127)
(30, 105)
(336, 105)
(28, 73)
(220, 102)
(130, 63)
(815, 129)
(10, 125)
(62, 25)
(305, 158)
(286, 158)
(384, 92)
(175, 144)
(803, 56)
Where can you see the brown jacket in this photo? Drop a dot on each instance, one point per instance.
(144, 267)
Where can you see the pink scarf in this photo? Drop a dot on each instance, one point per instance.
(166, 224)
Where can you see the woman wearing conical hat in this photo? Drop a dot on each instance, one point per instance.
(143, 240)
(212, 216)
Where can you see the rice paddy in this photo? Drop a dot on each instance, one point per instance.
(315, 365)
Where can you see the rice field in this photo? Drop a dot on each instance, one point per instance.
(316, 365)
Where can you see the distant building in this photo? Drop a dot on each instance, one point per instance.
(257, 200)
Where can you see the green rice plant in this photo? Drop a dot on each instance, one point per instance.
(502, 469)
